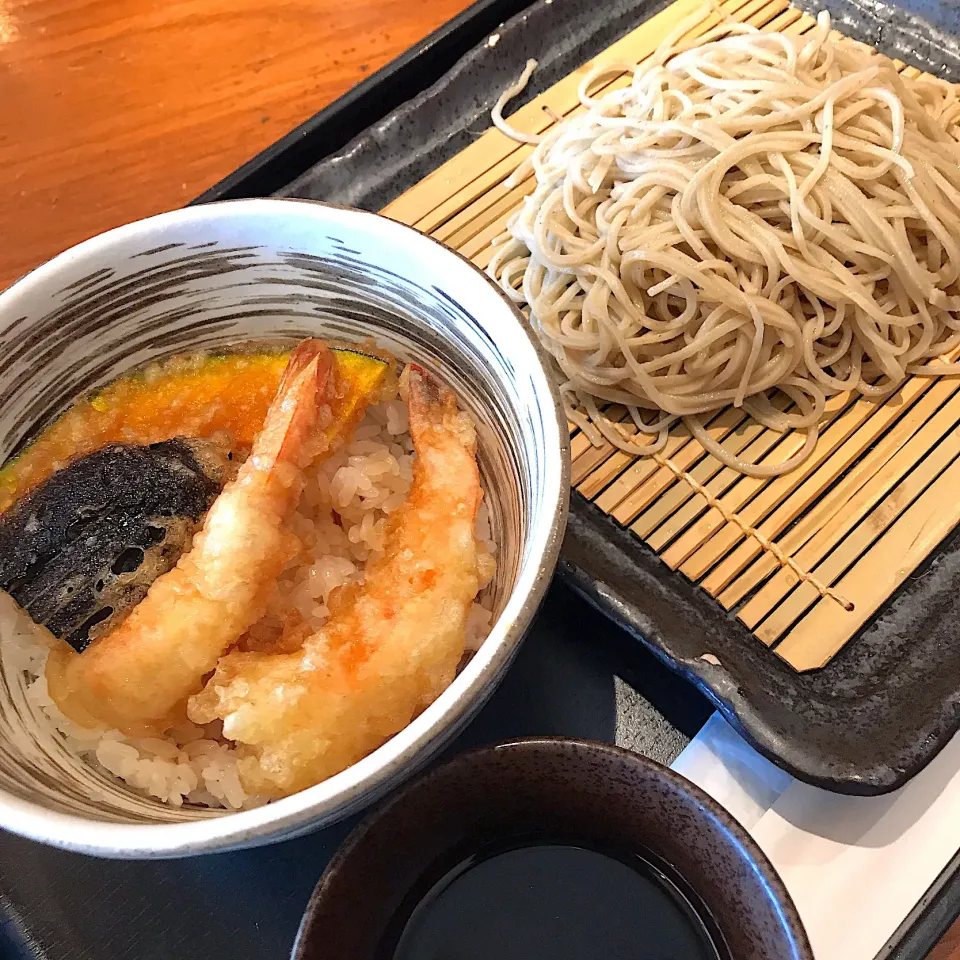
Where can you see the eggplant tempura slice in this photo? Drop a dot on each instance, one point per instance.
(82, 550)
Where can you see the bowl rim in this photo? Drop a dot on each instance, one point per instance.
(779, 897)
(397, 759)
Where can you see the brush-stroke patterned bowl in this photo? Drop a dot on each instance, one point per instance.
(213, 275)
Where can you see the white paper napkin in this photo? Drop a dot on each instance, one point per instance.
(855, 866)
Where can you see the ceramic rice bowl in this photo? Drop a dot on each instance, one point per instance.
(210, 276)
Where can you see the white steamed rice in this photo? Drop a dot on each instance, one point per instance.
(340, 522)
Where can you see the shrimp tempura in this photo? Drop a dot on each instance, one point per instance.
(138, 677)
(392, 643)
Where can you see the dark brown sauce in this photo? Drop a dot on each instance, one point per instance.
(552, 901)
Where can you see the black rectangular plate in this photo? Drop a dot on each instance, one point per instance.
(882, 708)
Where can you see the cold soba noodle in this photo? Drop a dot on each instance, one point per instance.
(756, 220)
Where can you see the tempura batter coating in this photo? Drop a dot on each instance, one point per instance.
(392, 644)
(138, 677)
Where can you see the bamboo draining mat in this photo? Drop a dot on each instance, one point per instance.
(877, 495)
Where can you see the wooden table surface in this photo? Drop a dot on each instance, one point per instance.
(111, 110)
(949, 946)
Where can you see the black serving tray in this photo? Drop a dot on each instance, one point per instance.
(883, 707)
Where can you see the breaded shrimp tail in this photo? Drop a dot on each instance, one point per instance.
(138, 677)
(392, 643)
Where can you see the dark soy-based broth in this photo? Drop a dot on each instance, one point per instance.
(551, 901)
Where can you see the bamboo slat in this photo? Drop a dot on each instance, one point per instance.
(859, 515)
(845, 438)
(837, 502)
(880, 498)
(891, 560)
